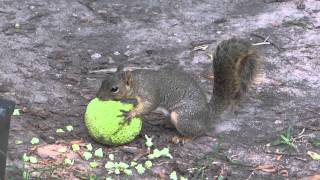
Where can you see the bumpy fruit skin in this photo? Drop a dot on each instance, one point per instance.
(104, 125)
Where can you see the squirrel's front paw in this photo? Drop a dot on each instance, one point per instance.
(128, 115)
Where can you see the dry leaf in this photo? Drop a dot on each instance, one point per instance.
(278, 157)
(314, 177)
(267, 168)
(284, 173)
(49, 151)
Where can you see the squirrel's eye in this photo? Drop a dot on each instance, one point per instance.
(114, 89)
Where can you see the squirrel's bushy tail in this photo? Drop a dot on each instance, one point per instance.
(235, 65)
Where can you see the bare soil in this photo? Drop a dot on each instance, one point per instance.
(50, 68)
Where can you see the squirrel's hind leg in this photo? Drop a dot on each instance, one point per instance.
(186, 124)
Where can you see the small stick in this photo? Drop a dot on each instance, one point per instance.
(267, 40)
(286, 154)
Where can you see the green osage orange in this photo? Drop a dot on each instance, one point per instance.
(106, 126)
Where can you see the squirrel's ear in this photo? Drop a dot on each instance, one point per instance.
(120, 68)
(127, 77)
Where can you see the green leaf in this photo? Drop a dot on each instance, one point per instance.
(16, 112)
(89, 147)
(69, 128)
(98, 153)
(68, 162)
(149, 142)
(173, 175)
(288, 133)
(159, 153)
(59, 130)
(165, 152)
(128, 172)
(285, 139)
(111, 157)
(17, 142)
(87, 155)
(26, 175)
(117, 171)
(140, 169)
(93, 164)
(133, 163)
(25, 157)
(33, 159)
(108, 178)
(148, 164)
(35, 140)
(109, 165)
(220, 177)
(314, 155)
(183, 178)
(75, 147)
(122, 165)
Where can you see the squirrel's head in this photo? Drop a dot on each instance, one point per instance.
(116, 86)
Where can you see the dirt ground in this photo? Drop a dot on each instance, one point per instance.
(51, 67)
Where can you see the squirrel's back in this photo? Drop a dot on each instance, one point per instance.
(173, 86)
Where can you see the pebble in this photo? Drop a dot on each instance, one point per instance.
(95, 56)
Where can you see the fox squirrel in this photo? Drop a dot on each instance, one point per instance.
(235, 65)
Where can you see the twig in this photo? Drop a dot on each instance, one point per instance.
(262, 43)
(309, 127)
(267, 40)
(302, 132)
(285, 154)
(113, 70)
(251, 174)
(301, 159)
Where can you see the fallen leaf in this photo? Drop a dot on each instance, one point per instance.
(75, 147)
(149, 142)
(314, 177)
(89, 147)
(173, 175)
(117, 171)
(140, 169)
(17, 142)
(69, 128)
(68, 162)
(98, 153)
(33, 159)
(267, 168)
(284, 173)
(49, 151)
(128, 172)
(93, 164)
(314, 155)
(59, 130)
(111, 157)
(109, 165)
(35, 140)
(148, 164)
(133, 163)
(87, 155)
(25, 157)
(16, 112)
(76, 141)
